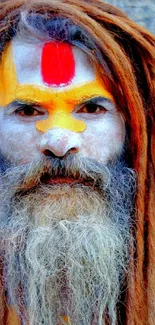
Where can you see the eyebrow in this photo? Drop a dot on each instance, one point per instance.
(20, 102)
(98, 99)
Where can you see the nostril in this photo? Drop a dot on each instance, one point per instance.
(49, 153)
(73, 150)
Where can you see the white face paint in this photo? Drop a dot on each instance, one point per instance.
(102, 138)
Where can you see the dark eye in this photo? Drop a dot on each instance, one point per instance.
(91, 108)
(28, 110)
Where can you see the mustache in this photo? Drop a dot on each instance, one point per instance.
(27, 177)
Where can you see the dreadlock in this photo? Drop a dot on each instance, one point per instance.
(125, 55)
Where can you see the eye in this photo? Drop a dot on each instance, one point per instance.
(28, 111)
(91, 108)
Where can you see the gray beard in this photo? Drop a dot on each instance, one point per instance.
(65, 247)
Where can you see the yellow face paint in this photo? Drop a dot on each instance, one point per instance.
(60, 103)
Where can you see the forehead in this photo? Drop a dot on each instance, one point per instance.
(51, 64)
(46, 71)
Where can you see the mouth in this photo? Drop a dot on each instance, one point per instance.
(63, 180)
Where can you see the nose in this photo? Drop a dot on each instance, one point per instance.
(59, 142)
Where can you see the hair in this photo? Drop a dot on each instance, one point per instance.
(125, 55)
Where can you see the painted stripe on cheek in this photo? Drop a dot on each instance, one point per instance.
(57, 64)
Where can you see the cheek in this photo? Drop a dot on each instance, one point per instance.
(104, 140)
(18, 143)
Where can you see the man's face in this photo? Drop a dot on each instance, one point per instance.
(53, 101)
(64, 243)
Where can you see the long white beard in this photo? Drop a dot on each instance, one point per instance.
(65, 250)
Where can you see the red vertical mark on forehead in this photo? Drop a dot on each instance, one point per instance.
(57, 63)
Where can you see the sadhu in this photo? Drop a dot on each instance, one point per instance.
(77, 190)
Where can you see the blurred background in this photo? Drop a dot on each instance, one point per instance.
(141, 11)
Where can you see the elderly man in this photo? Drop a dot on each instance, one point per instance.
(77, 131)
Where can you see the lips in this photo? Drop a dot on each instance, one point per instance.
(63, 180)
